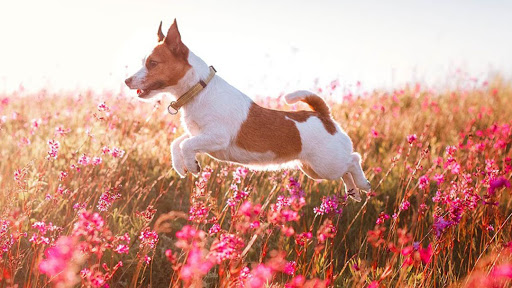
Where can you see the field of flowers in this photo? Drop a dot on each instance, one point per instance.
(88, 197)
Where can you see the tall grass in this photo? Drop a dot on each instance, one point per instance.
(89, 198)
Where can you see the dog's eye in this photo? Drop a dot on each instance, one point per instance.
(152, 64)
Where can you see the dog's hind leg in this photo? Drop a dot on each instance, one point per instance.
(358, 174)
(350, 187)
(177, 158)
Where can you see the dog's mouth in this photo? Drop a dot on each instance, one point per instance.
(143, 93)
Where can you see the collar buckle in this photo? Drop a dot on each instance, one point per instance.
(172, 108)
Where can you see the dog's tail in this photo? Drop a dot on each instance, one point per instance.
(314, 101)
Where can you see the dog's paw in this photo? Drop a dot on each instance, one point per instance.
(354, 194)
(179, 167)
(367, 187)
(193, 168)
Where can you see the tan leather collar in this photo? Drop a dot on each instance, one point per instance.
(185, 98)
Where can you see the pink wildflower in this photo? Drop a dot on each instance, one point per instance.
(496, 184)
(117, 152)
(424, 182)
(148, 238)
(329, 205)
(105, 150)
(103, 107)
(196, 267)
(63, 175)
(84, 160)
(107, 199)
(228, 246)
(214, 229)
(411, 138)
(260, 276)
(96, 161)
(404, 205)
(122, 249)
(62, 262)
(54, 147)
(439, 178)
(290, 267)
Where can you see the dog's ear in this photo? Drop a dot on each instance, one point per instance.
(161, 35)
(173, 39)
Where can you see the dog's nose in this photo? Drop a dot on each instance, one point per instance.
(128, 81)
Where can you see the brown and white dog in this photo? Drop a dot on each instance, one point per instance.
(227, 125)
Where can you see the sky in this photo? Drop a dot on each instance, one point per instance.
(262, 47)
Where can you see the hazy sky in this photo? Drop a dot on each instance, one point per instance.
(258, 46)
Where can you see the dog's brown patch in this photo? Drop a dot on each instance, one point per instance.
(171, 58)
(267, 130)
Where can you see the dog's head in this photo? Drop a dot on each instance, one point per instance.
(164, 67)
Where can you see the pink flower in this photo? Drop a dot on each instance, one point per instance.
(148, 238)
(196, 267)
(289, 268)
(455, 168)
(249, 210)
(326, 231)
(198, 212)
(228, 246)
(84, 160)
(503, 271)
(170, 256)
(405, 205)
(301, 239)
(103, 107)
(62, 262)
(36, 123)
(240, 174)
(215, 229)
(411, 138)
(59, 131)
(374, 133)
(116, 152)
(426, 254)
(329, 205)
(374, 284)
(498, 183)
(54, 147)
(450, 150)
(189, 233)
(439, 178)
(96, 161)
(259, 276)
(63, 175)
(382, 217)
(424, 182)
(105, 150)
(122, 249)
(107, 199)
(19, 174)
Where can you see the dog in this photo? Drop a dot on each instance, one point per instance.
(227, 125)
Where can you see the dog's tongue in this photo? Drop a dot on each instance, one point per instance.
(139, 91)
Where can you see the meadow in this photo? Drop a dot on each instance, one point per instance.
(88, 196)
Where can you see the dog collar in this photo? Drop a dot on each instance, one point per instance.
(185, 98)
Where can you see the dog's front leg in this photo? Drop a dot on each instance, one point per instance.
(202, 143)
(177, 157)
